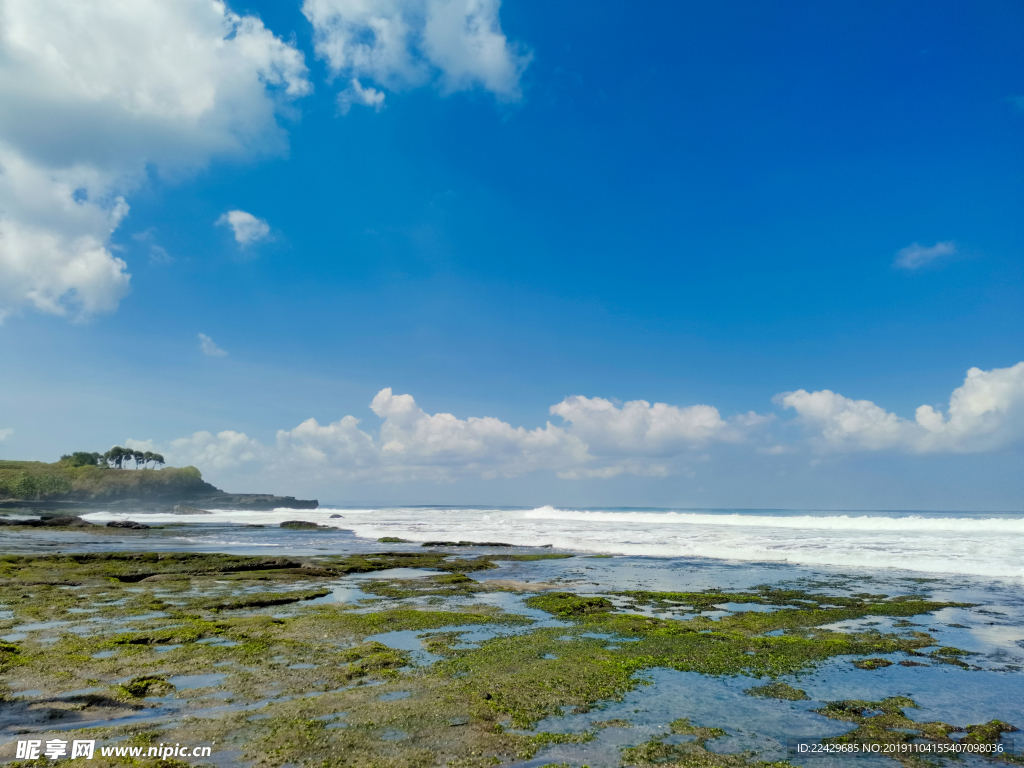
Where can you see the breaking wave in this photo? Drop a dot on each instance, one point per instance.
(985, 545)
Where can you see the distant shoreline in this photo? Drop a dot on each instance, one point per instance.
(67, 488)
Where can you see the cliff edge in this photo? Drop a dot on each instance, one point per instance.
(38, 485)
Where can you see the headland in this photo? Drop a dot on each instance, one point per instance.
(70, 489)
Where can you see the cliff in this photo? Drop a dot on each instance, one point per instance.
(42, 486)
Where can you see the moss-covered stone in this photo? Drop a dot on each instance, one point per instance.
(883, 722)
(691, 754)
(568, 604)
(872, 663)
(146, 685)
(778, 690)
(988, 733)
(330, 693)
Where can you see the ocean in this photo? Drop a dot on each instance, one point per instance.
(983, 544)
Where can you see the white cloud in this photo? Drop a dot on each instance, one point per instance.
(247, 228)
(5, 433)
(399, 44)
(158, 255)
(639, 428)
(463, 39)
(223, 450)
(139, 445)
(357, 94)
(985, 413)
(161, 83)
(599, 440)
(915, 255)
(209, 348)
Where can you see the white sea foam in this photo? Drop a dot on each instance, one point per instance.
(970, 544)
(845, 522)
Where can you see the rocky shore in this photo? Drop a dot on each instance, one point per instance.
(178, 504)
(417, 658)
(68, 489)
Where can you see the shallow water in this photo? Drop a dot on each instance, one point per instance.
(993, 629)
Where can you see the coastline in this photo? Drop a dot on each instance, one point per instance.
(73, 489)
(461, 653)
(167, 505)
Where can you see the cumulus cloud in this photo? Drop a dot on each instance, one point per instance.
(599, 439)
(985, 413)
(357, 94)
(915, 255)
(166, 84)
(209, 348)
(248, 229)
(639, 428)
(399, 44)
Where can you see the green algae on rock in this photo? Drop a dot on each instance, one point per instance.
(778, 690)
(738, 643)
(691, 754)
(567, 604)
(329, 691)
(872, 663)
(884, 722)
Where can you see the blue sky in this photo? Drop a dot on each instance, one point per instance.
(517, 204)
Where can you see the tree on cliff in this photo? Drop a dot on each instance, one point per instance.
(117, 456)
(83, 459)
(156, 458)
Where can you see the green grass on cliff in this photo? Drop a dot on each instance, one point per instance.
(30, 480)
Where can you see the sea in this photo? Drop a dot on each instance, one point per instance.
(988, 545)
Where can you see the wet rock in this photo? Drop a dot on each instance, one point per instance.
(131, 524)
(465, 544)
(872, 664)
(778, 690)
(64, 522)
(59, 521)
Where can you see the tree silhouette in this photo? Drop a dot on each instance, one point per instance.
(115, 456)
(119, 457)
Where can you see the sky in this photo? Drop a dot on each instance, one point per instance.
(734, 255)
